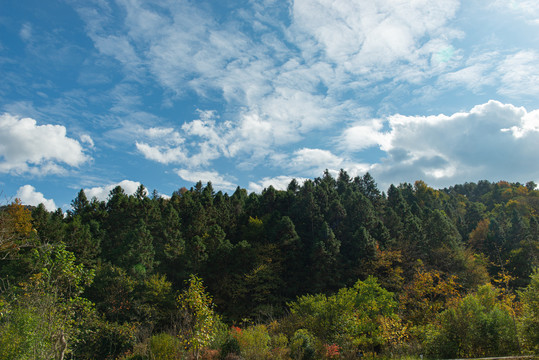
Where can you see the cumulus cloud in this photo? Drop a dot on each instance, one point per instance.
(161, 144)
(161, 154)
(278, 182)
(37, 149)
(309, 74)
(208, 141)
(491, 141)
(29, 196)
(218, 181)
(314, 161)
(102, 192)
(362, 136)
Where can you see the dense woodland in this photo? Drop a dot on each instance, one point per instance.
(332, 268)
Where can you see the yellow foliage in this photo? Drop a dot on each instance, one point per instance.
(21, 218)
(15, 227)
(478, 236)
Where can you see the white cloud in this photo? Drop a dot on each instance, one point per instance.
(473, 77)
(362, 36)
(279, 183)
(208, 141)
(37, 149)
(520, 74)
(491, 141)
(527, 9)
(293, 79)
(87, 139)
(217, 180)
(275, 94)
(362, 136)
(161, 154)
(314, 160)
(167, 135)
(26, 32)
(102, 192)
(528, 125)
(29, 196)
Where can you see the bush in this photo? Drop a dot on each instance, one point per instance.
(279, 347)
(302, 345)
(254, 342)
(230, 346)
(165, 347)
(105, 340)
(478, 326)
(529, 321)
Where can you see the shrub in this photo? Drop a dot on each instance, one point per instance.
(279, 347)
(302, 345)
(529, 321)
(165, 347)
(105, 340)
(254, 342)
(230, 346)
(477, 326)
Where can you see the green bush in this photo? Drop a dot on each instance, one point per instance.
(529, 321)
(105, 340)
(302, 345)
(20, 335)
(165, 347)
(478, 326)
(254, 342)
(230, 346)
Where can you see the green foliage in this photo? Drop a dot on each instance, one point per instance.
(198, 319)
(20, 337)
(47, 308)
(350, 318)
(254, 342)
(258, 252)
(165, 347)
(105, 340)
(302, 345)
(477, 326)
(529, 322)
(230, 346)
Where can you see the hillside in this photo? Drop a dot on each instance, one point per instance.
(330, 262)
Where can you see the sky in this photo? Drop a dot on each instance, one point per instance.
(253, 93)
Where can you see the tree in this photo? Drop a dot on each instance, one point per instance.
(197, 316)
(351, 318)
(16, 229)
(529, 321)
(48, 308)
(427, 295)
(477, 326)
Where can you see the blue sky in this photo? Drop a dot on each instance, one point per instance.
(255, 93)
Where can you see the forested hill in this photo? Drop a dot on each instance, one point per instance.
(131, 255)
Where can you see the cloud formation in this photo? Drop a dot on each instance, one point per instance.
(102, 193)
(218, 181)
(26, 147)
(279, 183)
(276, 86)
(29, 196)
(491, 141)
(364, 36)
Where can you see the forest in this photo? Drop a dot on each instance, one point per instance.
(332, 268)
